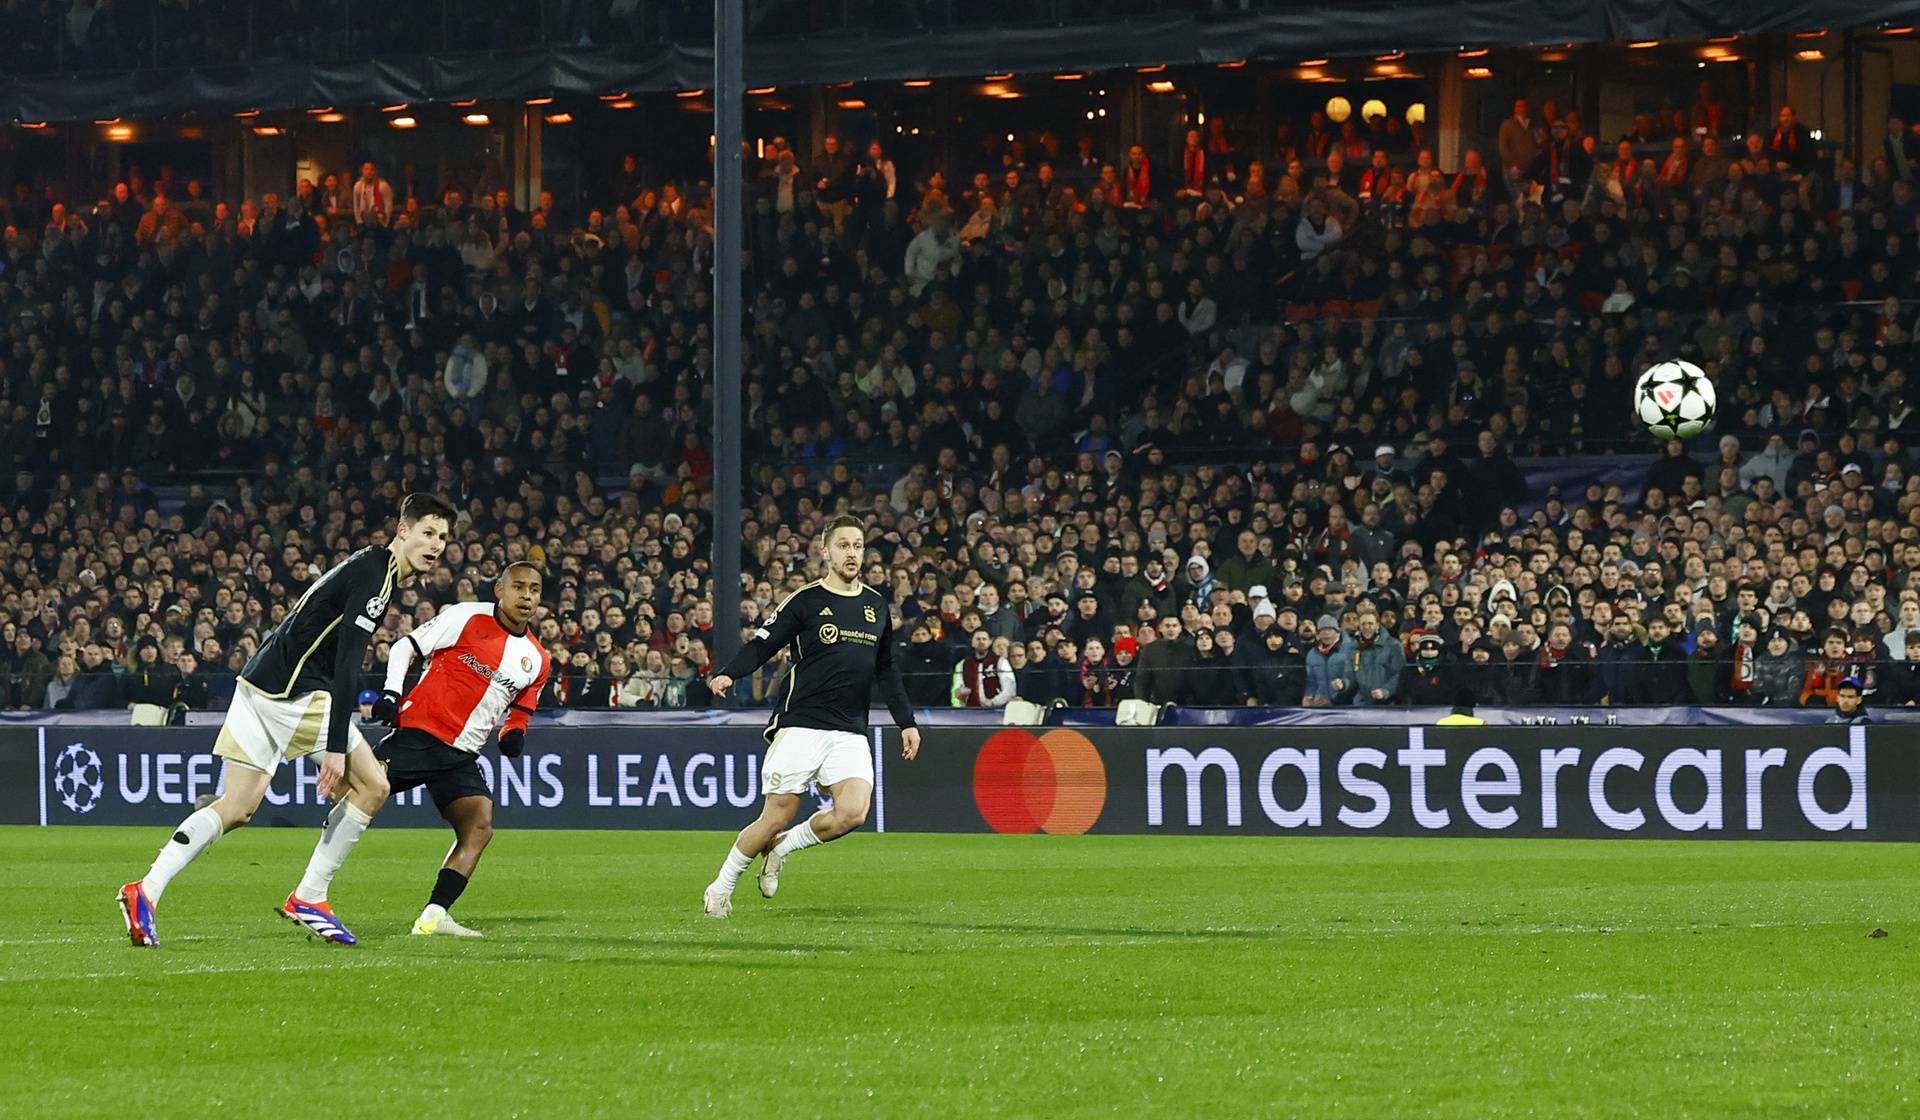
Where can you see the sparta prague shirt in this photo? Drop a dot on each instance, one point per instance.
(841, 646)
(319, 645)
(477, 673)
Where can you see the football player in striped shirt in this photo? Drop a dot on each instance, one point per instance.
(296, 697)
(484, 672)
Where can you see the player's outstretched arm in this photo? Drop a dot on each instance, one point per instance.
(778, 629)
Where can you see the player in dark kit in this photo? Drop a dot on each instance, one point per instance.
(837, 629)
(296, 696)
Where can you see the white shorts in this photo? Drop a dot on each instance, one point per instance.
(801, 756)
(261, 732)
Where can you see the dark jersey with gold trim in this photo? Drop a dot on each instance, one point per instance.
(841, 647)
(318, 647)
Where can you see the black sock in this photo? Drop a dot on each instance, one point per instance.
(447, 888)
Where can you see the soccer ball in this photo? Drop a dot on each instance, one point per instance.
(1675, 400)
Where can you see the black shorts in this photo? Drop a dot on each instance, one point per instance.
(415, 758)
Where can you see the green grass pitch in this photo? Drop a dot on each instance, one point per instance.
(943, 976)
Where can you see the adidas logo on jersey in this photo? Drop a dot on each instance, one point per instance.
(828, 611)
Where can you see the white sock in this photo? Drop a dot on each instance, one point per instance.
(801, 836)
(342, 832)
(730, 871)
(195, 835)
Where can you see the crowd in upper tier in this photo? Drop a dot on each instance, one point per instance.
(1238, 423)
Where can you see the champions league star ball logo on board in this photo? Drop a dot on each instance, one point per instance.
(79, 778)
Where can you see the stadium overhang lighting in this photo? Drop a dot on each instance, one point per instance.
(1338, 109)
(1477, 52)
(1313, 62)
(1643, 44)
(403, 122)
(477, 119)
(1391, 56)
(762, 91)
(685, 93)
(247, 114)
(559, 118)
(1160, 87)
(400, 108)
(1813, 55)
(1816, 34)
(918, 83)
(1477, 72)
(467, 104)
(1072, 76)
(321, 111)
(536, 102)
(331, 118)
(1234, 65)
(120, 132)
(1373, 108)
(1155, 69)
(1007, 77)
(268, 130)
(851, 103)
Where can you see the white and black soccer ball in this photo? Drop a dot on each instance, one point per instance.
(79, 778)
(1675, 400)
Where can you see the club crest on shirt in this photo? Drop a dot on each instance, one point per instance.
(868, 611)
(526, 664)
(829, 633)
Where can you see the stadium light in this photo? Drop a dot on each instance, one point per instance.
(331, 118)
(1417, 113)
(623, 103)
(1339, 109)
(1007, 77)
(1643, 44)
(1477, 52)
(852, 103)
(1154, 69)
(1160, 87)
(762, 91)
(120, 132)
(1814, 55)
(1373, 108)
(534, 102)
(559, 118)
(918, 83)
(685, 93)
(268, 130)
(1068, 77)
(400, 108)
(1313, 62)
(1479, 72)
(403, 122)
(477, 119)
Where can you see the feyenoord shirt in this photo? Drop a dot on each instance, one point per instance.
(479, 677)
(840, 647)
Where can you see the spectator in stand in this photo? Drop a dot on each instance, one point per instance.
(984, 678)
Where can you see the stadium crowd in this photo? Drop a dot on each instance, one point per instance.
(1232, 424)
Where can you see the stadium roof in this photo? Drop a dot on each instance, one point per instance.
(1282, 31)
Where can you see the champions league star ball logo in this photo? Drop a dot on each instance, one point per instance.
(79, 778)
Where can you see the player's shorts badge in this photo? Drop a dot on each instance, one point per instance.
(829, 633)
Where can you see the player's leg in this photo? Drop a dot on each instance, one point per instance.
(366, 790)
(250, 741)
(753, 839)
(472, 820)
(846, 773)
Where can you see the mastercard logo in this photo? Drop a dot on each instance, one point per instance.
(1053, 783)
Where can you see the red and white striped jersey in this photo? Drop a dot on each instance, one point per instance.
(475, 677)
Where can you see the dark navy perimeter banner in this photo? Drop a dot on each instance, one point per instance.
(579, 778)
(1777, 783)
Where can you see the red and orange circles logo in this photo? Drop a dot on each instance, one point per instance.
(1053, 783)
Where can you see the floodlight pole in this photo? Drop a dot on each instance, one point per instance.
(728, 94)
